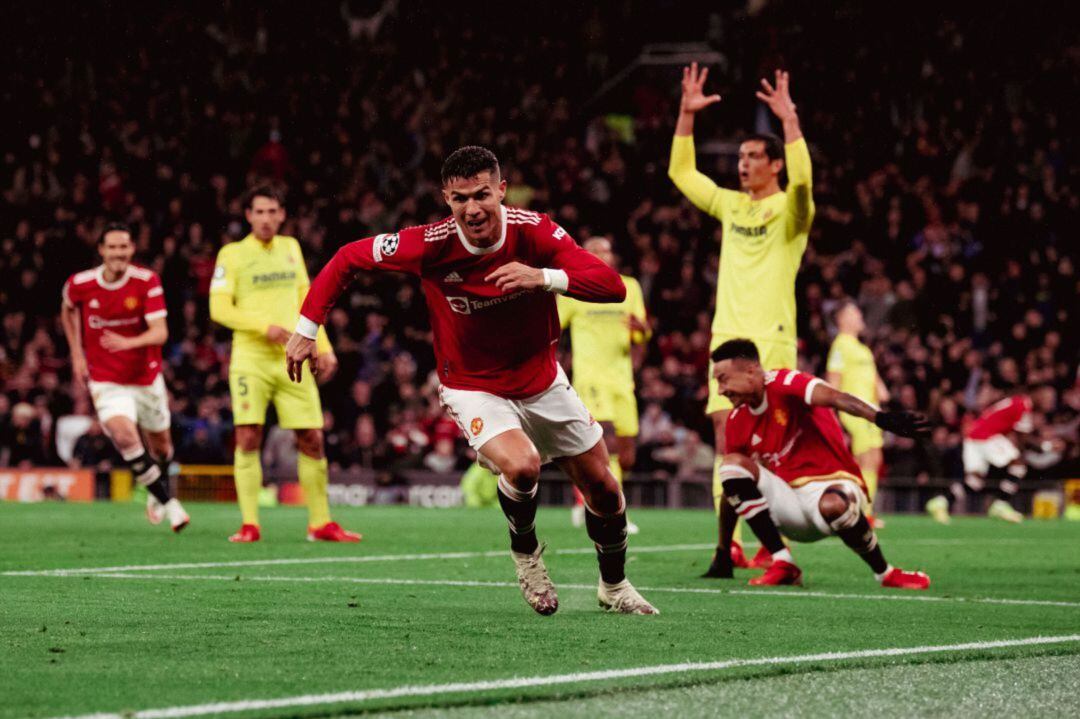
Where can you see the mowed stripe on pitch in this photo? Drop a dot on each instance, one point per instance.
(432, 690)
(794, 593)
(428, 556)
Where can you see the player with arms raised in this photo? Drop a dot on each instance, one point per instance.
(765, 232)
(490, 274)
(114, 320)
(256, 291)
(787, 469)
(603, 337)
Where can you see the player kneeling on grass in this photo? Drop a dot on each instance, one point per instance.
(787, 470)
(490, 275)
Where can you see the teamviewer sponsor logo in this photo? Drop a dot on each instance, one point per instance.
(465, 306)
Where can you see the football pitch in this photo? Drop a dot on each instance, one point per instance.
(103, 615)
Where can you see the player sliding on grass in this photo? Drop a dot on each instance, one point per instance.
(787, 470)
(490, 275)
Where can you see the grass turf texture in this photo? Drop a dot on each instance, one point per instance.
(85, 642)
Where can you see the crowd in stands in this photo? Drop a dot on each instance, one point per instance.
(945, 177)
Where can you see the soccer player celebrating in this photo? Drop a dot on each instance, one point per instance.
(256, 291)
(850, 367)
(602, 336)
(764, 235)
(787, 470)
(991, 444)
(114, 320)
(490, 274)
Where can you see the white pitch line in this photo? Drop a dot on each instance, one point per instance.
(794, 593)
(414, 557)
(429, 690)
(330, 560)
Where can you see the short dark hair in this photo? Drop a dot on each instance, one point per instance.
(114, 227)
(774, 149)
(268, 191)
(736, 349)
(469, 161)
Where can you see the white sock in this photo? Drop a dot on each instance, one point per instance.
(881, 576)
(784, 555)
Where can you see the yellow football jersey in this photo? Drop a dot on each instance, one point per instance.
(855, 363)
(256, 285)
(600, 336)
(763, 244)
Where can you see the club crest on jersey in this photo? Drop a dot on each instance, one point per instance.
(780, 417)
(131, 303)
(384, 246)
(476, 426)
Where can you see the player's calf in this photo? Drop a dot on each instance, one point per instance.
(519, 505)
(738, 476)
(842, 511)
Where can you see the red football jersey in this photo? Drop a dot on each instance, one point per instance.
(123, 307)
(793, 439)
(1009, 415)
(485, 340)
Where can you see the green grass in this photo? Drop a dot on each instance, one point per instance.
(82, 643)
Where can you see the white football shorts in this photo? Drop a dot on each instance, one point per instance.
(982, 454)
(795, 510)
(145, 405)
(556, 420)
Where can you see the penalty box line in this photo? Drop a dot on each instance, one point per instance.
(471, 583)
(433, 690)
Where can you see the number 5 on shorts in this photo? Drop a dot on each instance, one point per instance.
(242, 381)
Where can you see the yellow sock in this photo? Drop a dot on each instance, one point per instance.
(718, 497)
(870, 476)
(314, 479)
(247, 473)
(616, 469)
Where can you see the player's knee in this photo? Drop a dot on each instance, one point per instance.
(310, 442)
(523, 470)
(249, 437)
(740, 461)
(839, 508)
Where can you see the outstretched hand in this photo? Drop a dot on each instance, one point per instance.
(778, 98)
(904, 424)
(693, 92)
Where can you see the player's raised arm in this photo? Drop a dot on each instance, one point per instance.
(796, 153)
(901, 423)
(682, 168)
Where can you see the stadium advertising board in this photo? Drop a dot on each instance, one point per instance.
(36, 485)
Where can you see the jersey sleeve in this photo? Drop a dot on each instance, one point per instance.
(588, 278)
(398, 252)
(734, 436)
(223, 309)
(698, 188)
(70, 294)
(793, 383)
(800, 197)
(154, 304)
(223, 280)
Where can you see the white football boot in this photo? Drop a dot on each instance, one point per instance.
(534, 581)
(622, 598)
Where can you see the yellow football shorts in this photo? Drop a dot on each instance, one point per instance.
(865, 436)
(254, 385)
(611, 404)
(774, 355)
